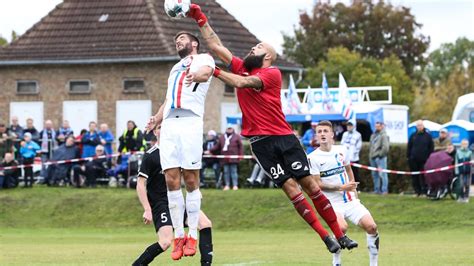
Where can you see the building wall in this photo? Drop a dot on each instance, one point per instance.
(107, 88)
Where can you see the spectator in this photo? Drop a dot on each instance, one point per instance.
(90, 140)
(58, 173)
(211, 141)
(28, 151)
(443, 141)
(9, 178)
(464, 155)
(379, 146)
(309, 138)
(64, 132)
(420, 146)
(257, 177)
(132, 139)
(16, 132)
(30, 128)
(352, 140)
(6, 141)
(78, 140)
(92, 170)
(229, 143)
(48, 143)
(106, 138)
(120, 168)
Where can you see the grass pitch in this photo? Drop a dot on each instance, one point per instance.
(61, 226)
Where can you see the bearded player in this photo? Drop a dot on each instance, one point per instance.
(152, 193)
(273, 143)
(332, 169)
(181, 120)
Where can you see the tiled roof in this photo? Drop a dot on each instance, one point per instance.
(120, 30)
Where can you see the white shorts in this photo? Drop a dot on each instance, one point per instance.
(352, 210)
(181, 143)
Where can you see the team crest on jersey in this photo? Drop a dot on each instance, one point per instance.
(188, 61)
(340, 157)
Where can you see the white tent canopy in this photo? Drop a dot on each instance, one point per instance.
(464, 109)
(430, 125)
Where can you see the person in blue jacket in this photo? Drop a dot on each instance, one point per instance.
(309, 138)
(28, 152)
(90, 140)
(106, 138)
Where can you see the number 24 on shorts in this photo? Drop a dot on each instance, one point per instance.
(276, 171)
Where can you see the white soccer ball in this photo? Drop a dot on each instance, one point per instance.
(177, 8)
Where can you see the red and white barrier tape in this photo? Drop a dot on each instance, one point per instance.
(228, 156)
(67, 161)
(441, 169)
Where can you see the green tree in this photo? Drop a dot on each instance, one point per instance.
(14, 35)
(448, 57)
(363, 71)
(375, 30)
(3, 41)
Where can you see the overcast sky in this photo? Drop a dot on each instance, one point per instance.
(443, 20)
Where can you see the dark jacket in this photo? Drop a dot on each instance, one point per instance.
(235, 148)
(132, 140)
(207, 146)
(420, 146)
(6, 144)
(34, 134)
(11, 176)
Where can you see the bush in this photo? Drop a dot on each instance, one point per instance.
(396, 161)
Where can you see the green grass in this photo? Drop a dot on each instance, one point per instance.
(62, 226)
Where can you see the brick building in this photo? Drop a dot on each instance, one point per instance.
(109, 61)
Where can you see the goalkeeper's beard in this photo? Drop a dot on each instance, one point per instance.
(187, 49)
(253, 61)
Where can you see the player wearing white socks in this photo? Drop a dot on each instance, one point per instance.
(330, 165)
(181, 120)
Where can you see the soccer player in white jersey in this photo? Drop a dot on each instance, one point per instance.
(331, 168)
(181, 120)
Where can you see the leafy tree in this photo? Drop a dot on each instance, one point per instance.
(14, 35)
(3, 41)
(363, 71)
(375, 30)
(447, 58)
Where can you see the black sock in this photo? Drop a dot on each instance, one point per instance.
(205, 246)
(148, 255)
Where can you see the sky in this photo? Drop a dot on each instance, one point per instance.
(443, 20)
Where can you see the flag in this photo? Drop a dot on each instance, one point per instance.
(294, 103)
(347, 109)
(310, 99)
(327, 101)
(284, 102)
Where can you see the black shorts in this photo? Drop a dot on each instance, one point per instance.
(281, 157)
(161, 215)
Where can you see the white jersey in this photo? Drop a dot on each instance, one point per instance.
(330, 166)
(190, 97)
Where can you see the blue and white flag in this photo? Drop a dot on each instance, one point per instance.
(327, 101)
(347, 109)
(310, 101)
(294, 102)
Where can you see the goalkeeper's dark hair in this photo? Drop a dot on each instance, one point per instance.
(191, 36)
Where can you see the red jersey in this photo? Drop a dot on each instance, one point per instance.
(261, 110)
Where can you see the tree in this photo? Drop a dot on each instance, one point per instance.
(14, 35)
(437, 102)
(3, 41)
(375, 30)
(363, 71)
(448, 57)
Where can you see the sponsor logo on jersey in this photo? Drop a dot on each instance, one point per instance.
(334, 171)
(296, 165)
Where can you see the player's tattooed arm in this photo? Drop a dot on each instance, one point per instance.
(240, 81)
(215, 45)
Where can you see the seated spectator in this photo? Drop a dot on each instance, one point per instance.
(211, 141)
(131, 139)
(92, 170)
(229, 143)
(6, 141)
(443, 141)
(120, 168)
(58, 173)
(90, 140)
(9, 177)
(106, 138)
(30, 128)
(64, 132)
(28, 152)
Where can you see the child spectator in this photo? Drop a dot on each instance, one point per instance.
(28, 152)
(463, 154)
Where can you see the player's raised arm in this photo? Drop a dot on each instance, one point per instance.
(156, 120)
(212, 40)
(237, 80)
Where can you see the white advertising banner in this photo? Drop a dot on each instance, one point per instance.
(396, 123)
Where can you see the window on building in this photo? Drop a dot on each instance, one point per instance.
(27, 87)
(134, 85)
(79, 86)
(229, 90)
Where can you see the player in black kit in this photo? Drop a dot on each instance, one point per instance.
(152, 193)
